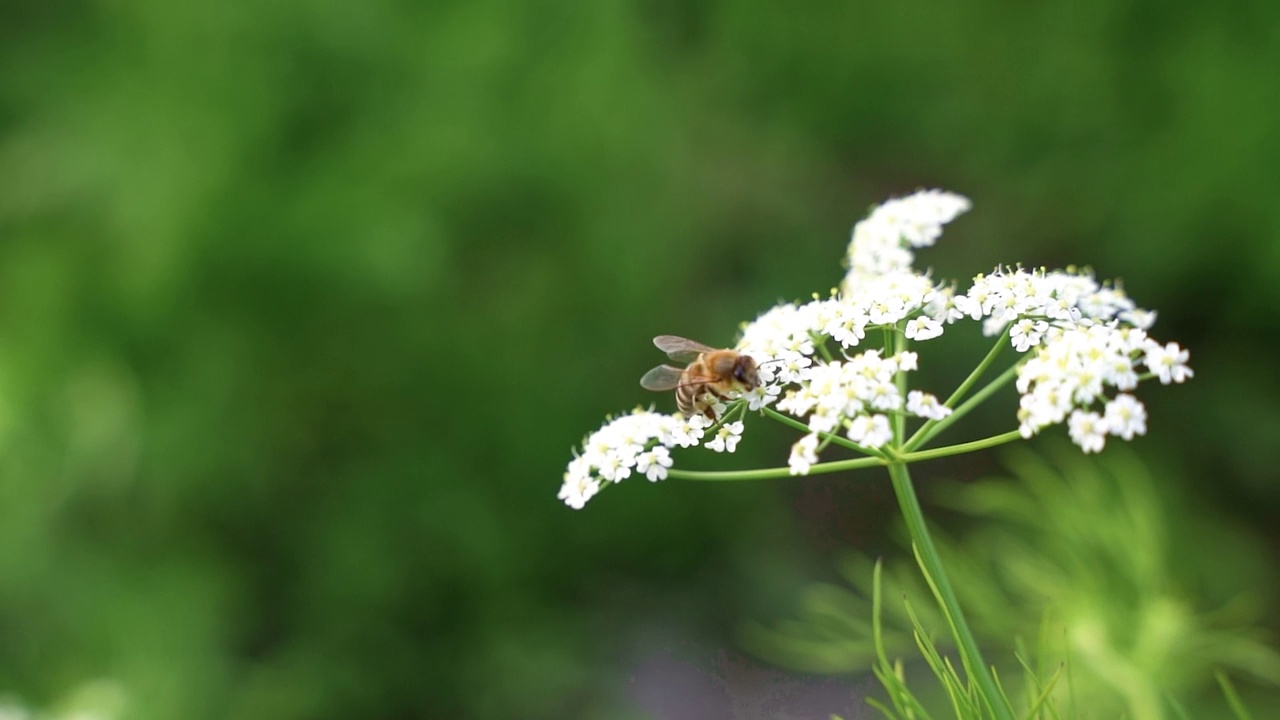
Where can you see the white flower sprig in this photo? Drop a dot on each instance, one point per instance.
(836, 367)
(639, 442)
(881, 244)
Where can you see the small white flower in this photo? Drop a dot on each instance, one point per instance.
(797, 402)
(923, 328)
(848, 323)
(886, 310)
(804, 453)
(727, 437)
(1129, 340)
(783, 329)
(616, 466)
(1142, 319)
(943, 307)
(1088, 430)
(1126, 416)
(792, 368)
(761, 395)
(1119, 372)
(665, 428)
(1026, 333)
(926, 406)
(824, 420)
(884, 396)
(907, 361)
(870, 430)
(1086, 386)
(654, 463)
(1034, 412)
(576, 491)
(689, 431)
(579, 467)
(1168, 362)
(970, 305)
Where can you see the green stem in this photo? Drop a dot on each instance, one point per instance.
(900, 382)
(774, 473)
(820, 342)
(724, 419)
(854, 464)
(979, 371)
(926, 430)
(827, 437)
(960, 448)
(975, 666)
(930, 429)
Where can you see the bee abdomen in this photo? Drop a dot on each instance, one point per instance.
(687, 397)
(691, 395)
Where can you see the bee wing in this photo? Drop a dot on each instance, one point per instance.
(662, 378)
(681, 349)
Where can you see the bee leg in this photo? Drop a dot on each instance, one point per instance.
(715, 396)
(708, 408)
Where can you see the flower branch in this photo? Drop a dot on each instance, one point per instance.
(931, 428)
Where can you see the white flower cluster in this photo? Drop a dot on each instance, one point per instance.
(1031, 297)
(1071, 370)
(1087, 337)
(881, 243)
(1086, 347)
(640, 442)
(782, 339)
(857, 395)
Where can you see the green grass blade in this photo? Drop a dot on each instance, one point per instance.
(1179, 712)
(1003, 697)
(884, 709)
(1233, 700)
(877, 630)
(1044, 696)
(941, 668)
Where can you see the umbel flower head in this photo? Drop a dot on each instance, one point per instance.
(837, 367)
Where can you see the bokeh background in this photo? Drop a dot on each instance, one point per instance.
(303, 305)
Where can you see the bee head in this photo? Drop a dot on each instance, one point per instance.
(744, 371)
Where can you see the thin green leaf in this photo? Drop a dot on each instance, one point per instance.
(884, 709)
(1004, 697)
(1179, 711)
(1044, 696)
(1233, 700)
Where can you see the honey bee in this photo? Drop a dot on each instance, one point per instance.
(711, 374)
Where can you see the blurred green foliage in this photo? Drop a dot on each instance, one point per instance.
(302, 305)
(1092, 564)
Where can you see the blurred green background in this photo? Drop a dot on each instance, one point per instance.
(303, 305)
